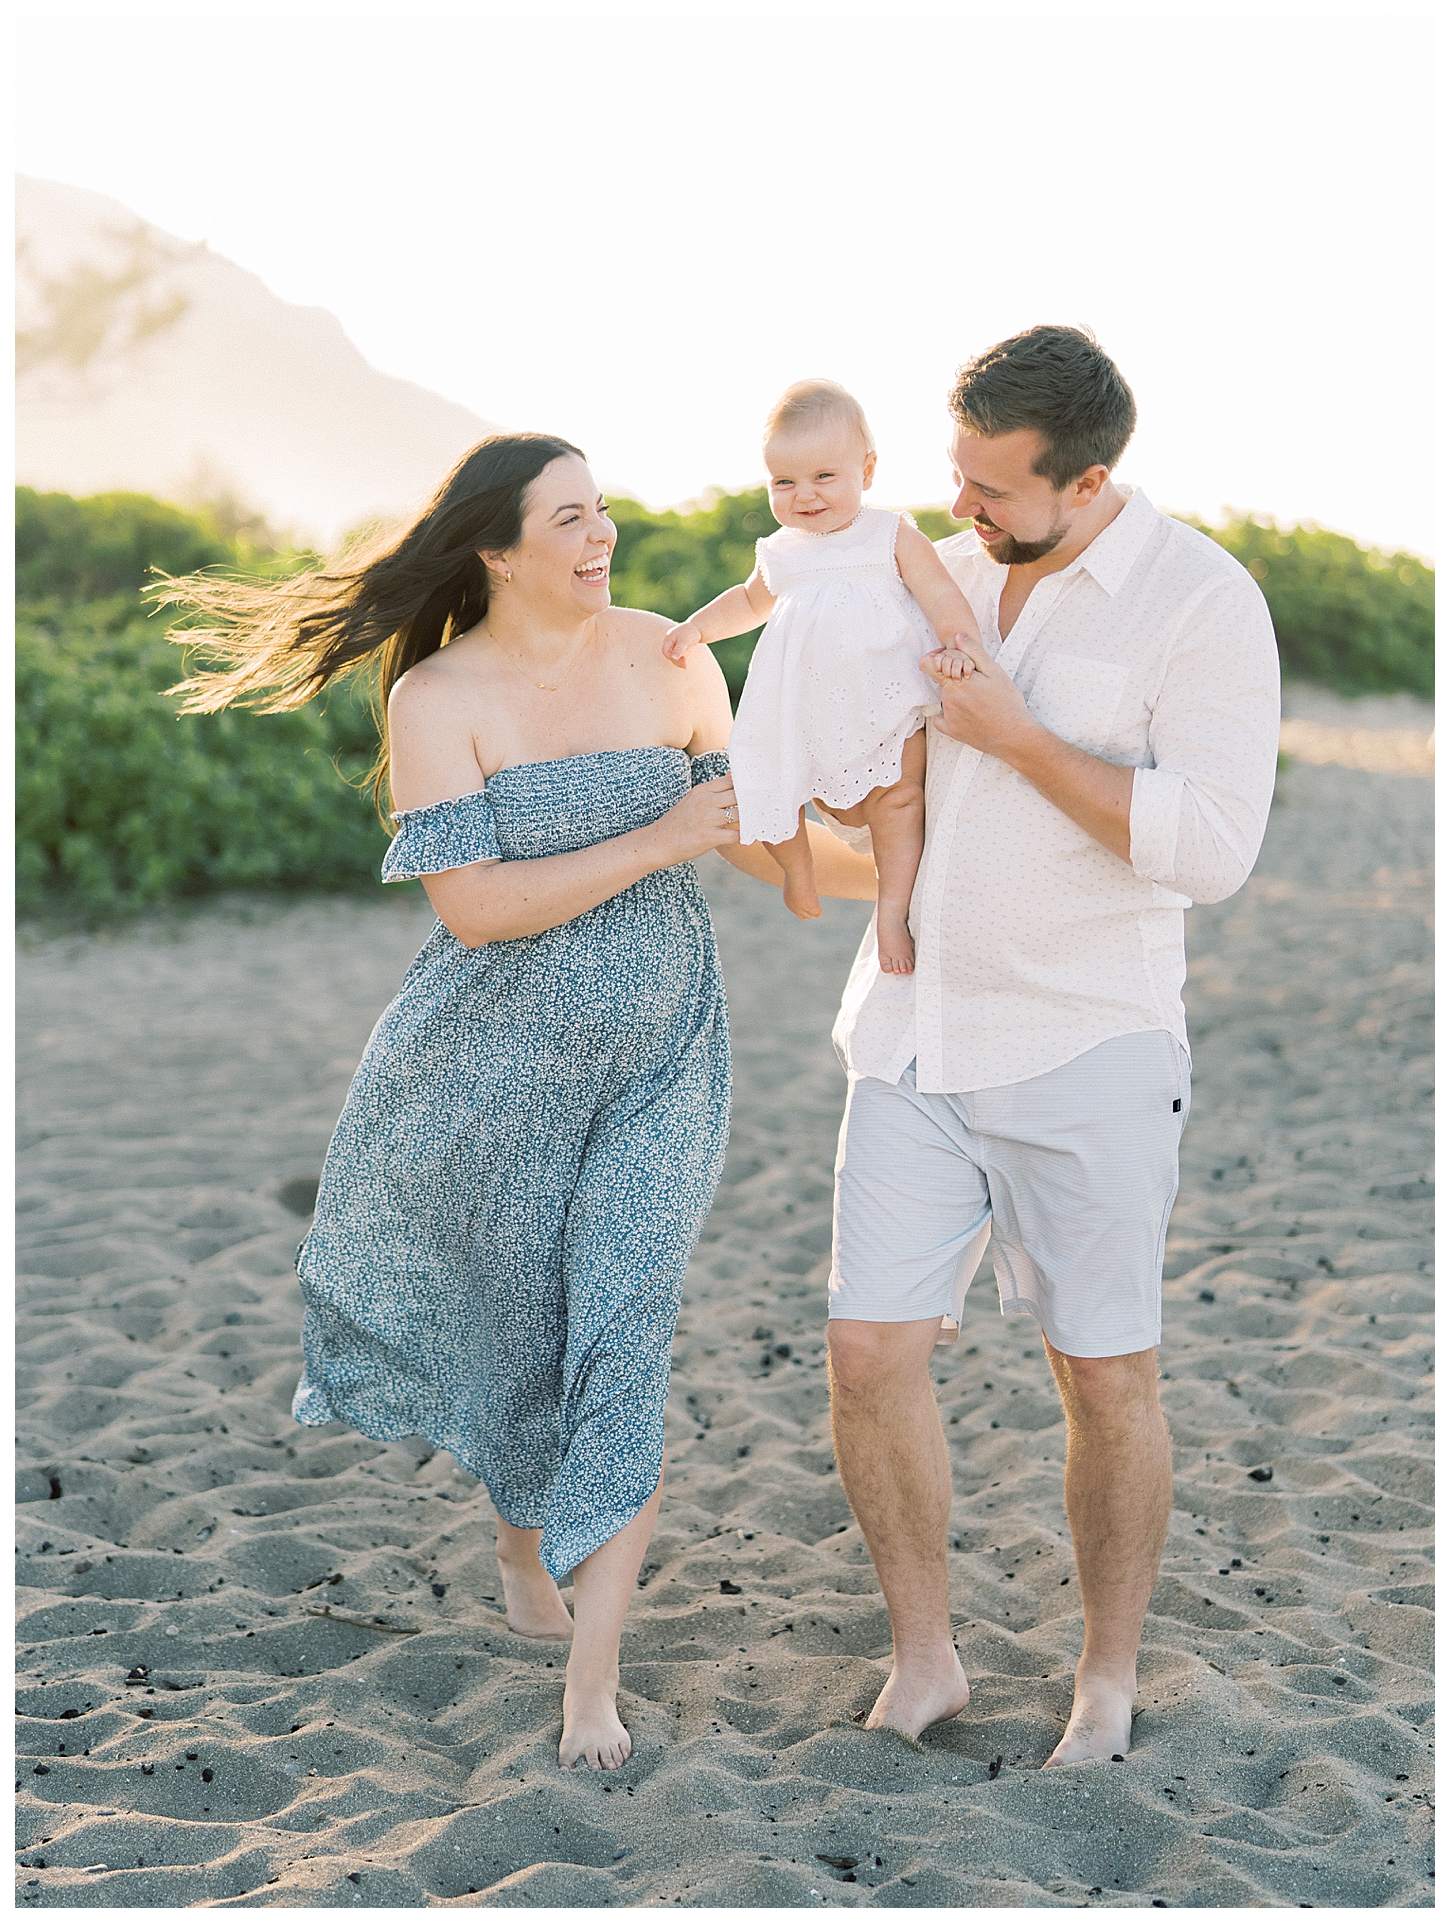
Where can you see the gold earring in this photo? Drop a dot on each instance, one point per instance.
(507, 576)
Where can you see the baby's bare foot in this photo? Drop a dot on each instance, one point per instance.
(801, 897)
(895, 949)
(593, 1733)
(533, 1603)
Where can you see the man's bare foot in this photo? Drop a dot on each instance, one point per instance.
(532, 1601)
(801, 897)
(593, 1732)
(895, 949)
(1100, 1726)
(915, 1698)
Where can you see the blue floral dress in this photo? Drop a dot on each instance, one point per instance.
(526, 1156)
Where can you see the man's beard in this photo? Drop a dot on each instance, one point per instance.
(1010, 552)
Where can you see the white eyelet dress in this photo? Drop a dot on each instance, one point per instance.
(833, 690)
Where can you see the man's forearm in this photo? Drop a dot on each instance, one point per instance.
(1097, 795)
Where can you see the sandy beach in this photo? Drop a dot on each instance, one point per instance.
(179, 1082)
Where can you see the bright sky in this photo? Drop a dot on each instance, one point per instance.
(634, 226)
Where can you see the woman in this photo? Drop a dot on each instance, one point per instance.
(533, 1138)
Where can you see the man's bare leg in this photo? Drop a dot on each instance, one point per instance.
(794, 859)
(531, 1597)
(603, 1586)
(892, 1456)
(1118, 1489)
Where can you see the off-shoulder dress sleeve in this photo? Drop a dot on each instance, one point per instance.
(446, 834)
(707, 766)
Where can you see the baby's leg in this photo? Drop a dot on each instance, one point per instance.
(794, 857)
(896, 817)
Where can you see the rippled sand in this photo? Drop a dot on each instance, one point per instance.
(178, 1086)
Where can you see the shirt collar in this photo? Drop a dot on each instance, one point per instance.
(1109, 558)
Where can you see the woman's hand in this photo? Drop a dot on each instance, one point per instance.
(707, 817)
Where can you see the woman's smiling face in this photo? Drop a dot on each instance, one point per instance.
(567, 539)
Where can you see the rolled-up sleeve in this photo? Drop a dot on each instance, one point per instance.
(1198, 813)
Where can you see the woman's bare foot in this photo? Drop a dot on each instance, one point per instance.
(1101, 1724)
(531, 1596)
(593, 1733)
(918, 1695)
(895, 949)
(604, 1584)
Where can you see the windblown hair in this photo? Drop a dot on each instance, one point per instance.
(1058, 381)
(392, 603)
(808, 403)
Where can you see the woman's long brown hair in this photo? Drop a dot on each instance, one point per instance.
(395, 602)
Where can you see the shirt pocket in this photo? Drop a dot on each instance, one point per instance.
(1077, 698)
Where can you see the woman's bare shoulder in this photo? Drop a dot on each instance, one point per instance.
(695, 696)
(434, 716)
(440, 678)
(632, 624)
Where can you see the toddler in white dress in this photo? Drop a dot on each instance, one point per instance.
(834, 703)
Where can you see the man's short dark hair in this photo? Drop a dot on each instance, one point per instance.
(1058, 381)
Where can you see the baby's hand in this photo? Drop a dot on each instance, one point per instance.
(679, 640)
(953, 662)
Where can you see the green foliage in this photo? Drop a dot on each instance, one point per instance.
(673, 563)
(1352, 618)
(68, 550)
(936, 523)
(121, 802)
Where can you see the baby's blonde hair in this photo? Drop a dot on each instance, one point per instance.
(807, 403)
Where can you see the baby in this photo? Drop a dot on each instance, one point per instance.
(835, 705)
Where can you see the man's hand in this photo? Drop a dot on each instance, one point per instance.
(981, 704)
(679, 640)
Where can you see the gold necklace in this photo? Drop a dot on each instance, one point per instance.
(543, 686)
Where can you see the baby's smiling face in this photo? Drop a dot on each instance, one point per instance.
(817, 476)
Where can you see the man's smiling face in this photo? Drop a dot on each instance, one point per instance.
(1020, 516)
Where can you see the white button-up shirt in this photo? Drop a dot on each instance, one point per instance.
(1154, 651)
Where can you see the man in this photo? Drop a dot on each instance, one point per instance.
(1108, 762)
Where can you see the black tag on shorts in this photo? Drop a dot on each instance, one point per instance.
(1178, 1106)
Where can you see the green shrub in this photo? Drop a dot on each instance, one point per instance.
(1353, 618)
(70, 550)
(121, 802)
(673, 563)
(1350, 617)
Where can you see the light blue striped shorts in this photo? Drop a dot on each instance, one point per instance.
(1072, 1175)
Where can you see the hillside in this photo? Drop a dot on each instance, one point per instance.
(149, 364)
